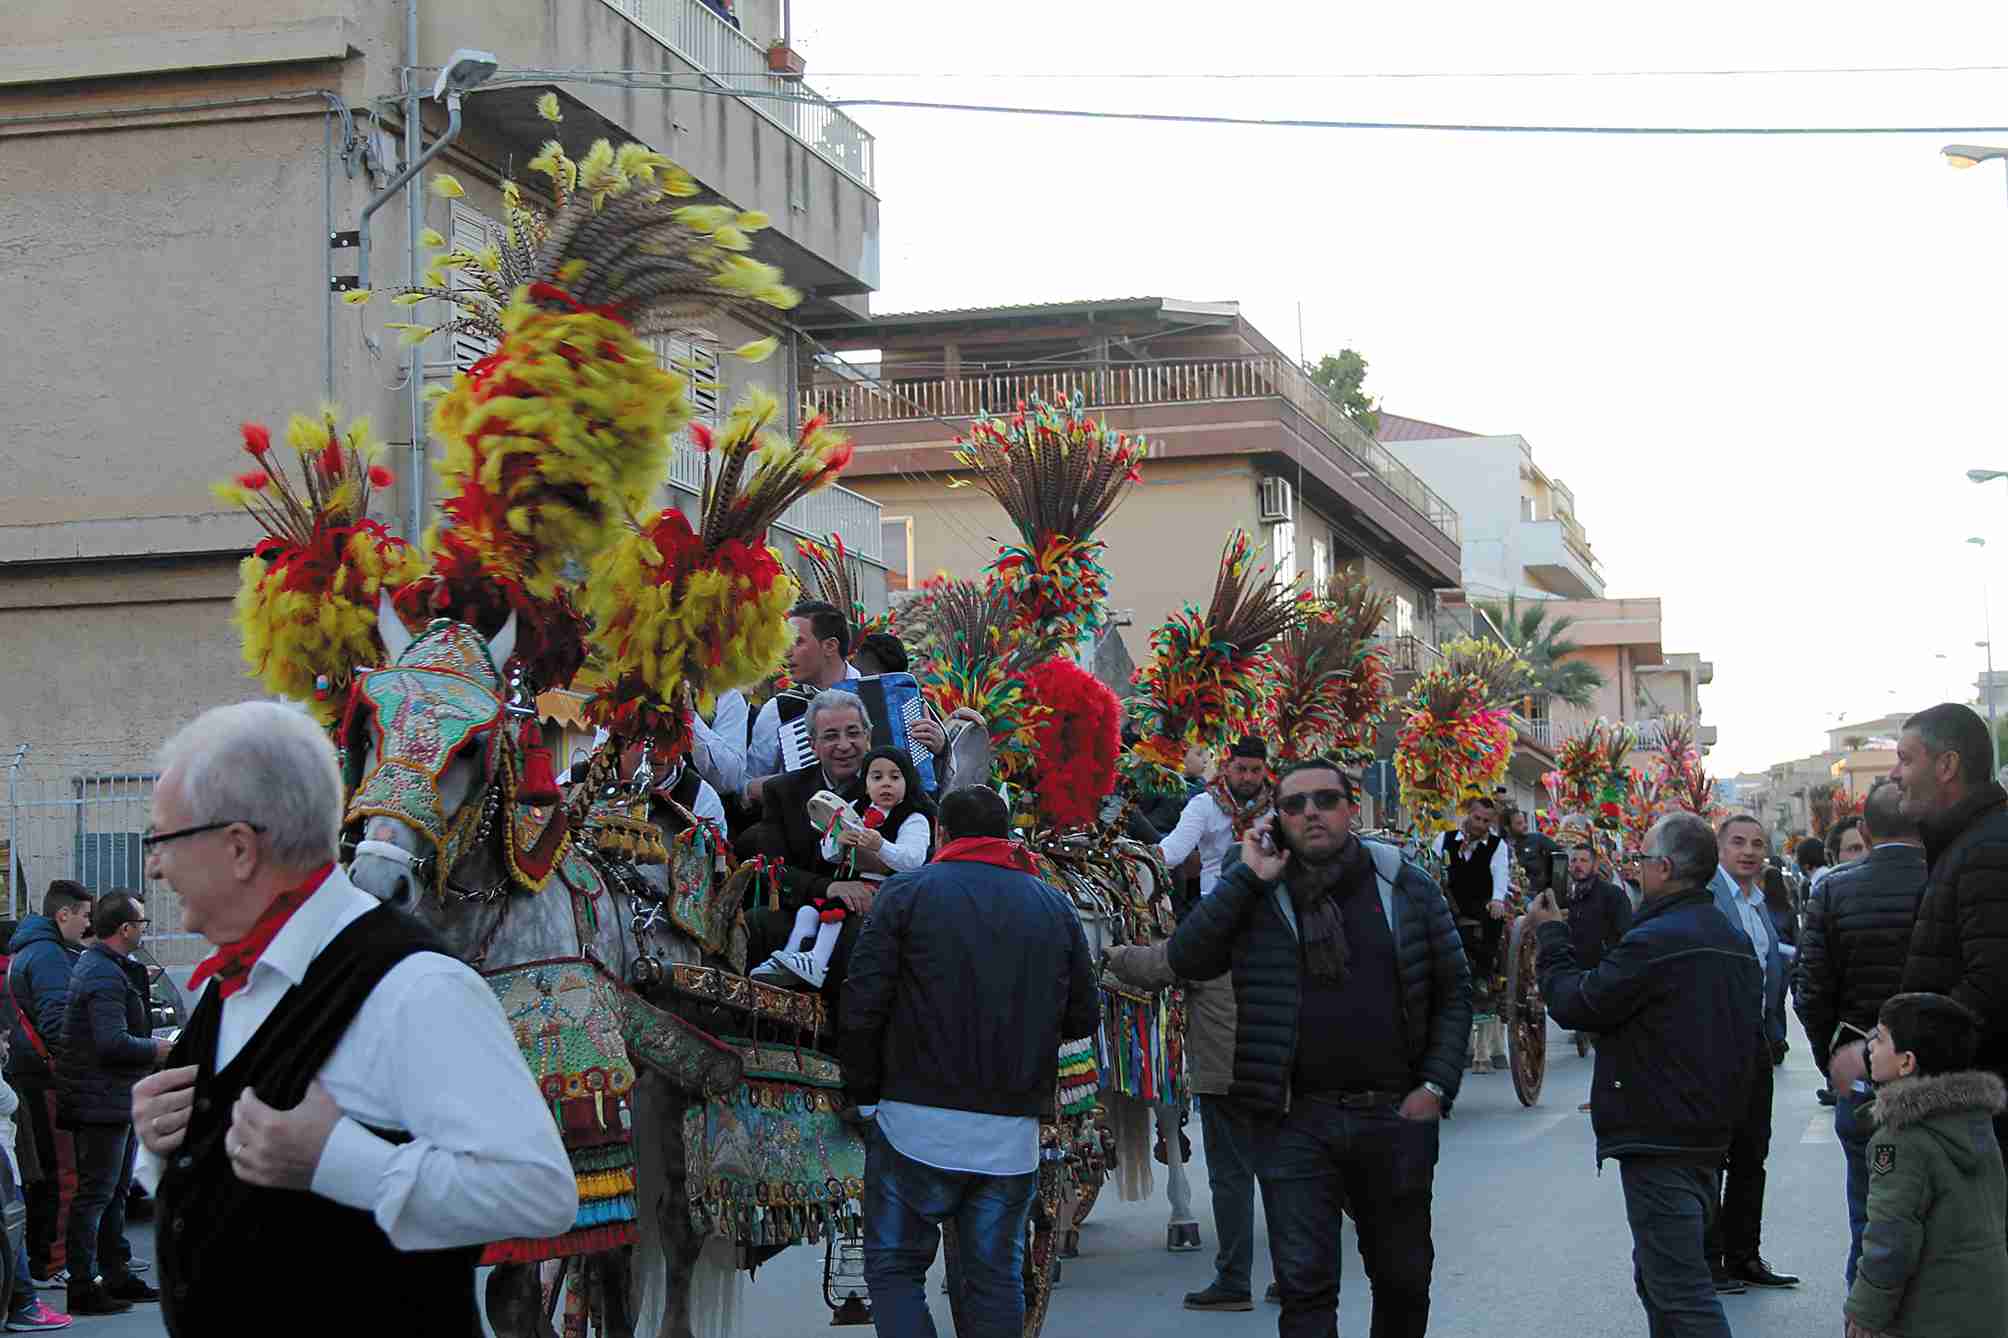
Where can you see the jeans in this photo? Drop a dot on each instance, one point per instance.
(1225, 1130)
(905, 1204)
(1854, 1138)
(97, 1219)
(1670, 1207)
(49, 1197)
(1317, 1162)
(1738, 1232)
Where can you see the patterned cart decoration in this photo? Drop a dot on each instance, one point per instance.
(771, 1162)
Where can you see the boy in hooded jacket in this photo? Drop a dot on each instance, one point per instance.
(1932, 1262)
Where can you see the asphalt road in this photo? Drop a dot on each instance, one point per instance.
(1529, 1238)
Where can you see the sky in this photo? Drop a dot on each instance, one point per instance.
(1762, 365)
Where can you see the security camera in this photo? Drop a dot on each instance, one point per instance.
(467, 69)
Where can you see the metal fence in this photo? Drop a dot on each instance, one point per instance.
(80, 815)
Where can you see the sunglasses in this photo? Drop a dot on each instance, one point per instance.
(149, 839)
(1328, 801)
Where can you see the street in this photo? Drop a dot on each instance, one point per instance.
(1528, 1237)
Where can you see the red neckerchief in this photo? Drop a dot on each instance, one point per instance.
(996, 850)
(231, 964)
(875, 817)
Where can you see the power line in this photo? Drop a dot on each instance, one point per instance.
(1337, 76)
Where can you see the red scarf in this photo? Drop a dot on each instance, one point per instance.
(231, 964)
(875, 817)
(997, 850)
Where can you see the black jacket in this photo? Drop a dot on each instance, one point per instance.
(39, 980)
(107, 1038)
(1241, 928)
(1856, 936)
(786, 833)
(1960, 944)
(1536, 853)
(1677, 1024)
(1597, 920)
(964, 982)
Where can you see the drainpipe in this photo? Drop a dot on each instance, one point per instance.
(14, 827)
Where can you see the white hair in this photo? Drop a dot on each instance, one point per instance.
(831, 699)
(264, 764)
(1688, 844)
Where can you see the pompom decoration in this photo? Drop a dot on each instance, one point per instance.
(1078, 738)
(1452, 745)
(705, 610)
(306, 604)
(1058, 474)
(1205, 670)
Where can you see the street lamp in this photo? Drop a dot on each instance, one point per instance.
(1986, 475)
(1963, 156)
(1987, 612)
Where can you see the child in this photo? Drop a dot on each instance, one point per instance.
(1932, 1263)
(897, 804)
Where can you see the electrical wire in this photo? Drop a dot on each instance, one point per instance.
(1360, 75)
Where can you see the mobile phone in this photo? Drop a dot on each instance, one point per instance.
(1558, 870)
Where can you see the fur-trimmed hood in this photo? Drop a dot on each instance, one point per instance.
(1948, 1106)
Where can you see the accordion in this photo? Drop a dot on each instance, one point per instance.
(894, 703)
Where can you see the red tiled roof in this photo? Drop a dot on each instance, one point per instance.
(1394, 427)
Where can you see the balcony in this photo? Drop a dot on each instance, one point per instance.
(1407, 654)
(1117, 385)
(832, 510)
(731, 59)
(1556, 557)
(1538, 732)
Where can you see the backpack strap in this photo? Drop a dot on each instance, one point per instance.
(35, 1041)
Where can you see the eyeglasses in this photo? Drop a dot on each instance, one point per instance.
(149, 839)
(141, 923)
(1328, 801)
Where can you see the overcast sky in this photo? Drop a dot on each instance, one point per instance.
(1762, 365)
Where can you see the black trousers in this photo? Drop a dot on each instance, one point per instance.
(47, 1199)
(97, 1220)
(1738, 1229)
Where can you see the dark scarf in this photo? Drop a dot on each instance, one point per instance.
(1241, 815)
(1319, 891)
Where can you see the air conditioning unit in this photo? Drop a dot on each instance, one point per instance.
(1276, 500)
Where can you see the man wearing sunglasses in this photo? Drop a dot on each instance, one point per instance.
(1352, 1024)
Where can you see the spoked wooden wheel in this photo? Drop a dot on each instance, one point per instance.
(1525, 1017)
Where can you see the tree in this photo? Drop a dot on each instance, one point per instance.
(1341, 379)
(1543, 643)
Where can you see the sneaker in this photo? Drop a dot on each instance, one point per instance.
(1760, 1274)
(1213, 1298)
(1274, 1296)
(792, 970)
(93, 1299)
(1727, 1283)
(56, 1282)
(36, 1318)
(131, 1288)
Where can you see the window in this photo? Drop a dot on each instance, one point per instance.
(1283, 552)
(471, 231)
(896, 542)
(1321, 565)
(698, 360)
(1404, 616)
(109, 861)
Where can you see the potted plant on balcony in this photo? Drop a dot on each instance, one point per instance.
(784, 60)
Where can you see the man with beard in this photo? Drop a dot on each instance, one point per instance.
(1599, 912)
(840, 732)
(1221, 814)
(1945, 764)
(1535, 850)
(1737, 1231)
(1352, 1022)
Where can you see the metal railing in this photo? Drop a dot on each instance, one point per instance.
(1122, 384)
(1539, 732)
(80, 816)
(832, 510)
(735, 61)
(1407, 654)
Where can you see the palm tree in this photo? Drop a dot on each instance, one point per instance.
(1542, 641)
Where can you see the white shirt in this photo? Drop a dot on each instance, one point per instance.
(763, 752)
(1502, 875)
(431, 1055)
(1202, 826)
(903, 851)
(718, 748)
(967, 1141)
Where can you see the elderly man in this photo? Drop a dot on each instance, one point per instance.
(1852, 962)
(1675, 1007)
(969, 975)
(343, 1091)
(1219, 815)
(1352, 1022)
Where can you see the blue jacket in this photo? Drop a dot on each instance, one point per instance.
(107, 1039)
(1674, 1006)
(1775, 975)
(964, 981)
(39, 980)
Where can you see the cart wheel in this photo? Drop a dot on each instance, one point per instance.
(1526, 1020)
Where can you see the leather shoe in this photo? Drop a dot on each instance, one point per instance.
(132, 1288)
(1760, 1274)
(1213, 1298)
(95, 1300)
(1826, 1097)
(1727, 1283)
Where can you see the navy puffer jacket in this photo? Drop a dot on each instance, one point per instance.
(107, 1039)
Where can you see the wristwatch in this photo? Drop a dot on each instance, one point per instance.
(1435, 1091)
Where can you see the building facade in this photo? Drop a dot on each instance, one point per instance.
(190, 183)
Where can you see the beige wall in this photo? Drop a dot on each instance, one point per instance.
(1163, 542)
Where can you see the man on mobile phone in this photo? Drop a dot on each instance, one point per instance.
(1352, 1024)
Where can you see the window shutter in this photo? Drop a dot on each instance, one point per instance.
(471, 231)
(698, 360)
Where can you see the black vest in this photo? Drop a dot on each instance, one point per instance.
(1469, 881)
(235, 1256)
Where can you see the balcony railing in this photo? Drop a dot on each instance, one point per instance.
(1408, 654)
(832, 510)
(735, 61)
(1107, 385)
(1540, 733)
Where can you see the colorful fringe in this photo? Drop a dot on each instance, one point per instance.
(1080, 1077)
(1141, 1043)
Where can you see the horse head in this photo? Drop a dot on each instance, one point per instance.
(428, 749)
